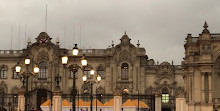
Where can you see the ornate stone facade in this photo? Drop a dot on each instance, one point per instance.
(124, 66)
(201, 71)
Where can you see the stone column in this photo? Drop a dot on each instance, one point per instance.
(57, 100)
(21, 100)
(181, 101)
(117, 99)
(203, 87)
(210, 87)
(157, 102)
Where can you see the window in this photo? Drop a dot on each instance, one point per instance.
(124, 71)
(101, 72)
(86, 72)
(3, 72)
(206, 87)
(43, 70)
(15, 74)
(165, 96)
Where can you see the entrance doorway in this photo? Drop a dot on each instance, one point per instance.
(166, 109)
(41, 97)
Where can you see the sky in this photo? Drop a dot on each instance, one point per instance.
(161, 26)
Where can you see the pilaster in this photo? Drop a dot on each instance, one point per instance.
(21, 100)
(57, 101)
(158, 102)
(117, 100)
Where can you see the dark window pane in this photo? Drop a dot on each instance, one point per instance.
(43, 70)
(124, 71)
(101, 72)
(3, 72)
(86, 72)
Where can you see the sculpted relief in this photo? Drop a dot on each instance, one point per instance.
(43, 56)
(124, 56)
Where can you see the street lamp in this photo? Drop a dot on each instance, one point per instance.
(74, 68)
(91, 82)
(24, 77)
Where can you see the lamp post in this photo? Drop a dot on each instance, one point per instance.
(74, 68)
(24, 77)
(58, 79)
(9, 105)
(91, 82)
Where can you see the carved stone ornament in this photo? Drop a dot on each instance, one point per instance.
(149, 90)
(3, 86)
(100, 90)
(43, 38)
(15, 89)
(46, 86)
(124, 56)
(180, 92)
(43, 56)
(125, 40)
(165, 81)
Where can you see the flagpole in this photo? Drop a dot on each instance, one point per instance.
(46, 19)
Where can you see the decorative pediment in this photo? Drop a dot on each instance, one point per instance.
(100, 90)
(125, 43)
(165, 81)
(43, 38)
(5, 66)
(125, 40)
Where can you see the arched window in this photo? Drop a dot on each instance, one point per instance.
(15, 74)
(124, 71)
(86, 72)
(3, 72)
(101, 71)
(43, 71)
(165, 96)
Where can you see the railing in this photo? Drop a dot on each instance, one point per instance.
(96, 51)
(11, 51)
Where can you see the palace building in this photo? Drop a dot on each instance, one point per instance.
(125, 66)
(201, 71)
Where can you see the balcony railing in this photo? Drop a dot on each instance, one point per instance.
(11, 51)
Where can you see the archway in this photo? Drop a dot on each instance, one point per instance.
(166, 109)
(165, 99)
(41, 97)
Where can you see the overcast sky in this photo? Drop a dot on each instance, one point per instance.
(160, 25)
